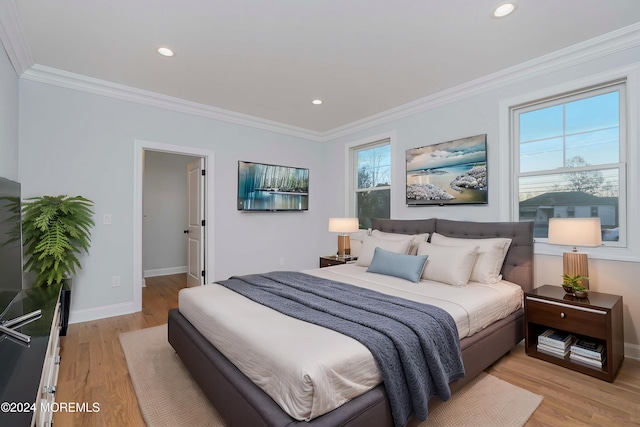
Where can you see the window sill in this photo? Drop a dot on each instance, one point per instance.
(602, 252)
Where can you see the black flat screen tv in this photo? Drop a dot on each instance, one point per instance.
(272, 188)
(10, 239)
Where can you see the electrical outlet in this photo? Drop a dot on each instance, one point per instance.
(282, 261)
(115, 281)
(106, 219)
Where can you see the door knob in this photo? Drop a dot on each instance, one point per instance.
(186, 231)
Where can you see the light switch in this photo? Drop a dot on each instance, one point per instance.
(106, 219)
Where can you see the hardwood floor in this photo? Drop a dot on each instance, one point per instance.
(572, 398)
(93, 369)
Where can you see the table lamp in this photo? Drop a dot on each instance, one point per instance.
(343, 226)
(575, 232)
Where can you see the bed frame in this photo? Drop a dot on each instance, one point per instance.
(241, 403)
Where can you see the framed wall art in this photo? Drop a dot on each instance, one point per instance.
(272, 188)
(448, 173)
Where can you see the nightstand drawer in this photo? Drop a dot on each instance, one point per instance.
(329, 260)
(591, 322)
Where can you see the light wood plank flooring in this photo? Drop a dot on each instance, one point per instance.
(93, 369)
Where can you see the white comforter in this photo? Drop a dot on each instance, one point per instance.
(307, 369)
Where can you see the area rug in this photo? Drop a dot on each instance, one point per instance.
(168, 396)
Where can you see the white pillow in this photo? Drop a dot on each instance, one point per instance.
(491, 254)
(414, 238)
(448, 264)
(370, 243)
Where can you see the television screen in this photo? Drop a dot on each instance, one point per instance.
(263, 187)
(10, 236)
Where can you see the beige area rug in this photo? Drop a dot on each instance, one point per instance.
(168, 396)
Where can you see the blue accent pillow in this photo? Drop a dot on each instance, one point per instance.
(409, 267)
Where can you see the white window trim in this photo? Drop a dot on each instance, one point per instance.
(631, 74)
(620, 166)
(349, 207)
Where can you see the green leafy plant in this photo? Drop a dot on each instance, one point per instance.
(574, 282)
(55, 229)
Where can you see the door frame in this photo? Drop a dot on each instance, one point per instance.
(140, 147)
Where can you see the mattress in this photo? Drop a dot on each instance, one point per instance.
(309, 370)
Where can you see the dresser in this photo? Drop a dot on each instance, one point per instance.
(29, 371)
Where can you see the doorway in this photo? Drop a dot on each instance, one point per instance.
(142, 148)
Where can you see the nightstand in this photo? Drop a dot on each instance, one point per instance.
(329, 260)
(596, 318)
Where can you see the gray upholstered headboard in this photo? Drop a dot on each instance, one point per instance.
(518, 264)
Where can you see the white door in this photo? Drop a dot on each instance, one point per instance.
(195, 231)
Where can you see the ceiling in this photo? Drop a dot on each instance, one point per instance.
(270, 59)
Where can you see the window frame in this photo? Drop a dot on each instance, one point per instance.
(562, 99)
(629, 176)
(351, 170)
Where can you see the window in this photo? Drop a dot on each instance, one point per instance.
(570, 159)
(371, 181)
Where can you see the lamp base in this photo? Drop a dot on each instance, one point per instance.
(576, 263)
(344, 245)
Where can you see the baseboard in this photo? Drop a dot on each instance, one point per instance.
(96, 313)
(632, 351)
(165, 271)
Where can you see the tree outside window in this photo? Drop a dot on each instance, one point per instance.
(570, 162)
(373, 182)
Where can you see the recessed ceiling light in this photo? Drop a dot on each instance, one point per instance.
(504, 9)
(316, 101)
(165, 51)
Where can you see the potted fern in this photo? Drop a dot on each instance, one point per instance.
(55, 229)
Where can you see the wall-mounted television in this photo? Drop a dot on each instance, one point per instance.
(264, 187)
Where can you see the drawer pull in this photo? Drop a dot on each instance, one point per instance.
(562, 315)
(559, 304)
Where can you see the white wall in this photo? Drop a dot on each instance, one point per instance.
(8, 119)
(165, 199)
(77, 143)
(73, 142)
(477, 114)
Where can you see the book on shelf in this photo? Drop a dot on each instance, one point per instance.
(588, 348)
(587, 361)
(552, 351)
(558, 339)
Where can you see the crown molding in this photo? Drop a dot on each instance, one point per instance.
(607, 44)
(15, 44)
(14, 41)
(13, 38)
(56, 77)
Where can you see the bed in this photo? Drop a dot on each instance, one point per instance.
(241, 402)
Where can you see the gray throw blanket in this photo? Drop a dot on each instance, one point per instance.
(416, 346)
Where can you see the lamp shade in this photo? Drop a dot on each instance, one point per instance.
(575, 231)
(343, 225)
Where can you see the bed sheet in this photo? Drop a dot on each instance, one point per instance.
(307, 369)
